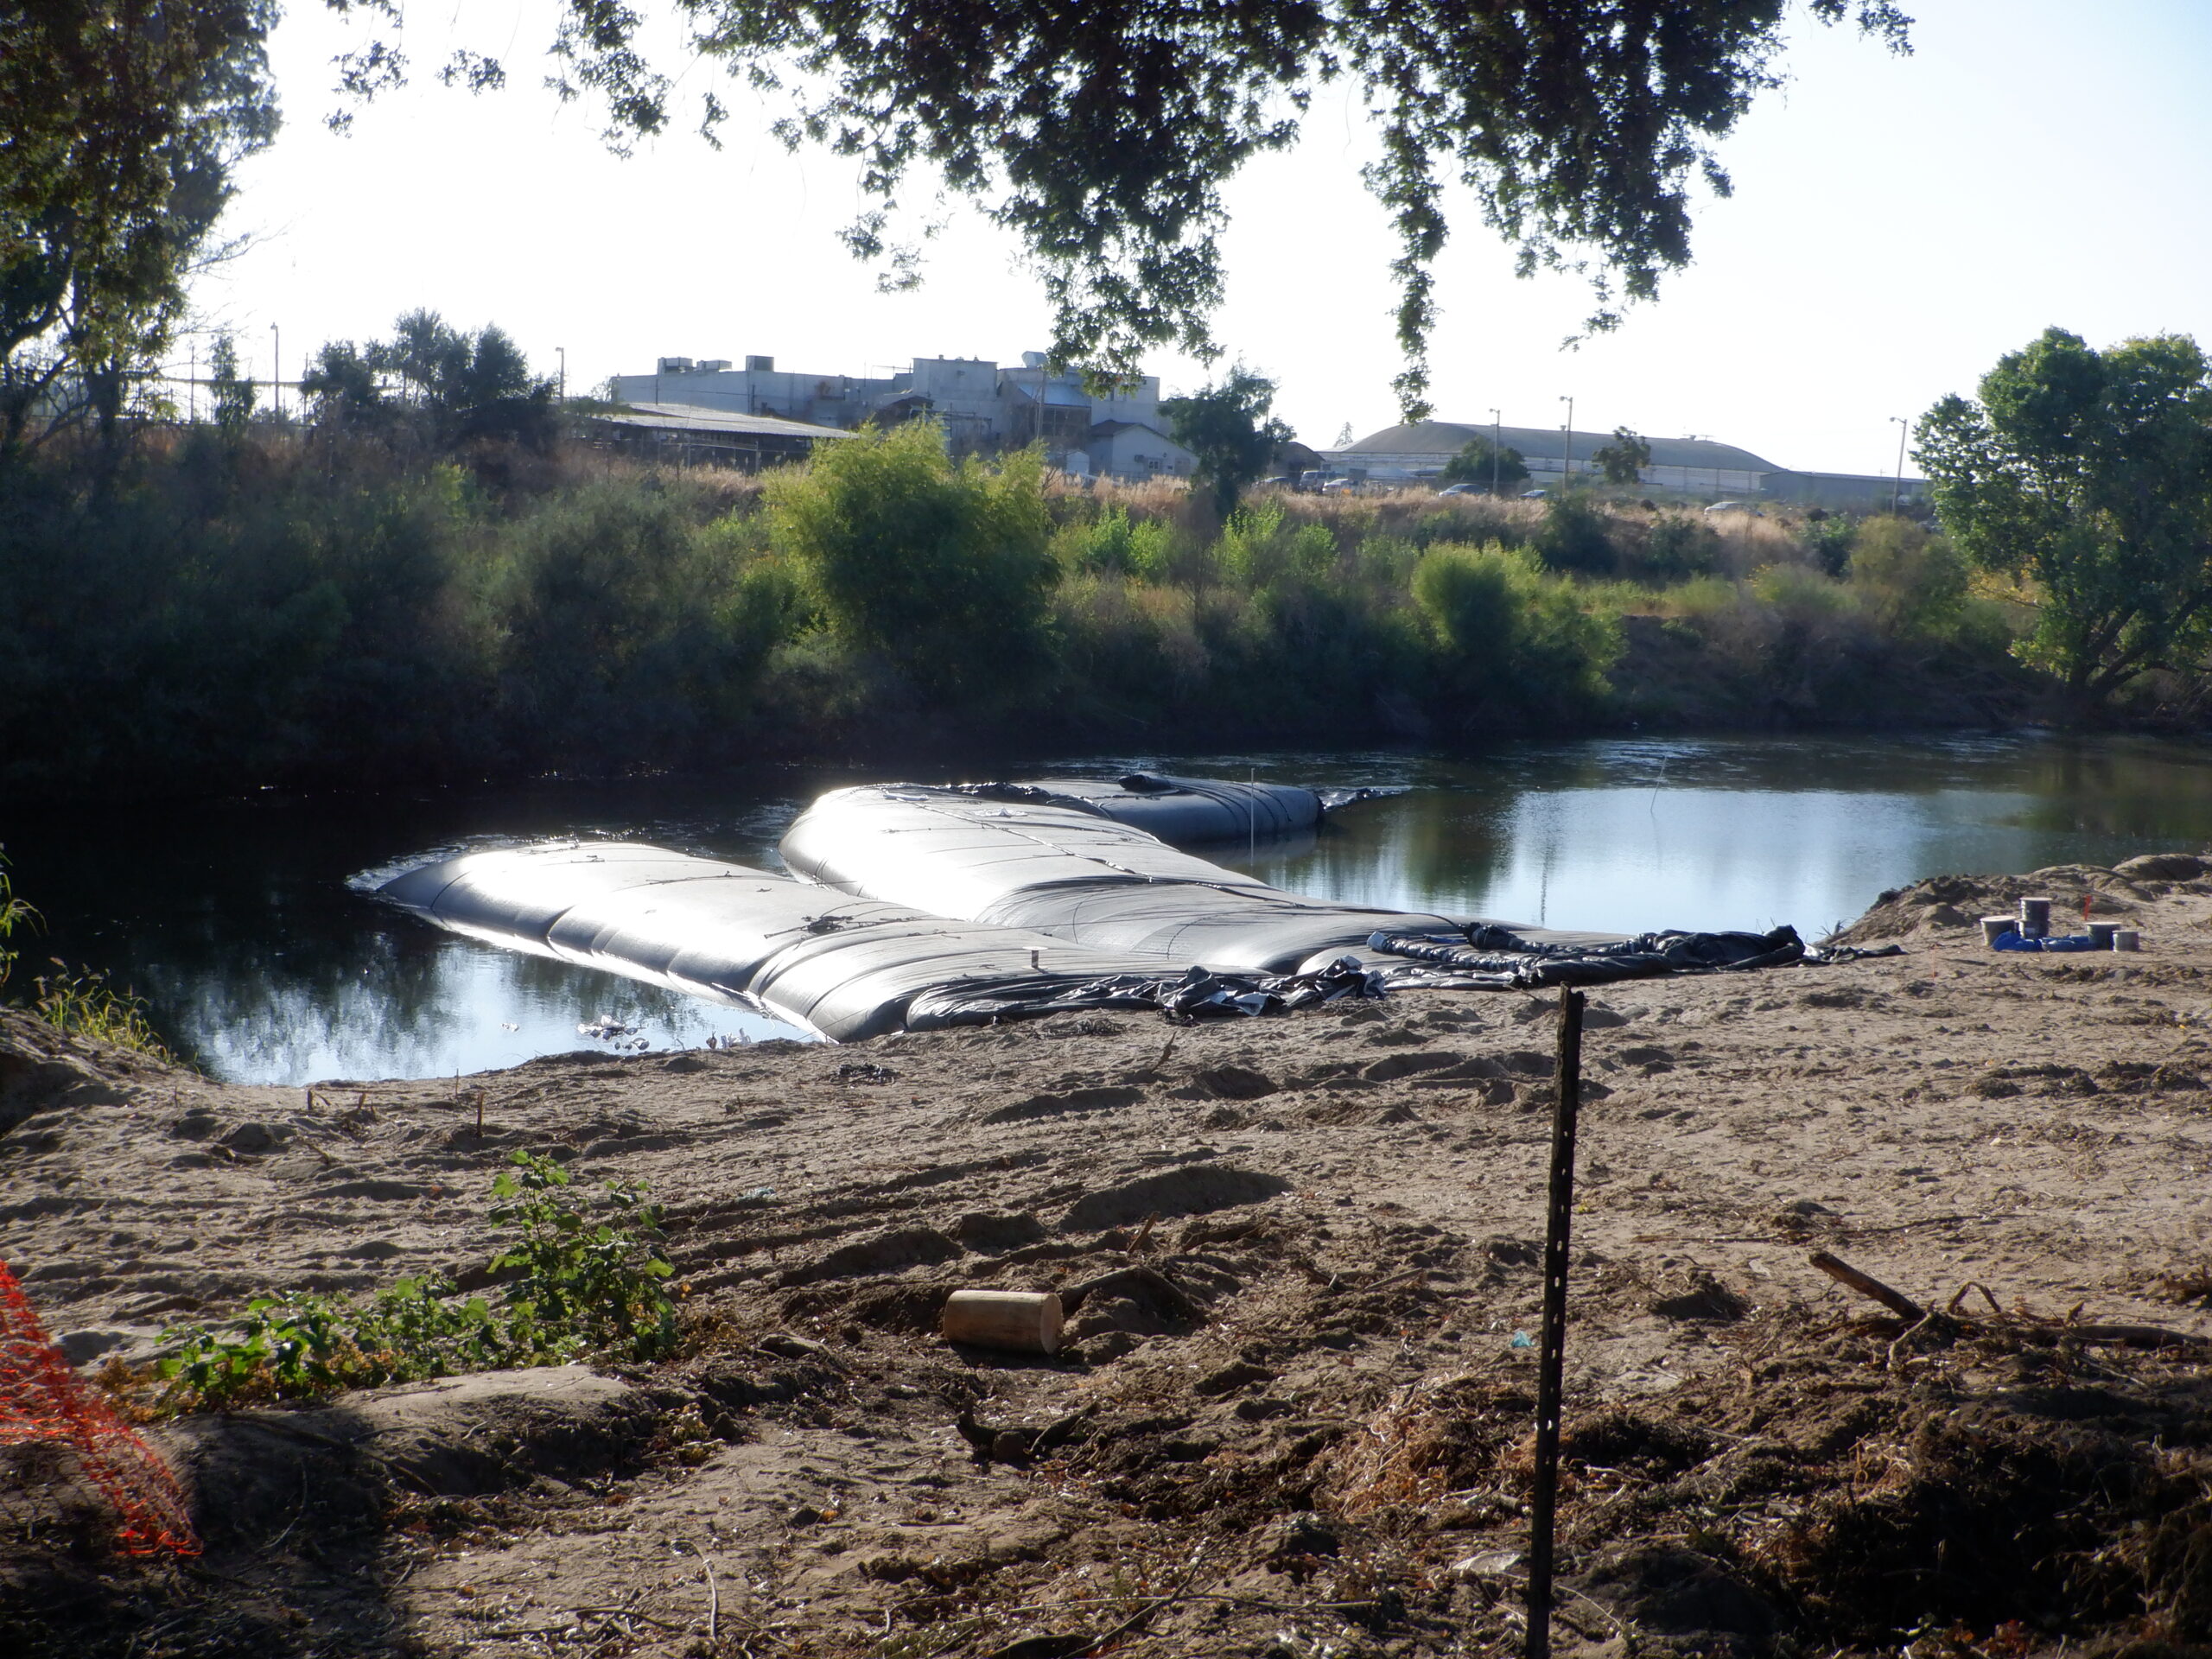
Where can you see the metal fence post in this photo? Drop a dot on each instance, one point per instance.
(1552, 1356)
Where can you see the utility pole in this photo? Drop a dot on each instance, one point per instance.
(191, 384)
(564, 352)
(276, 371)
(1897, 489)
(1568, 461)
(1494, 430)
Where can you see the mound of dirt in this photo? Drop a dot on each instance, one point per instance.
(1945, 903)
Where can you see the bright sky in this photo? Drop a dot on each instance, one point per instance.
(1897, 223)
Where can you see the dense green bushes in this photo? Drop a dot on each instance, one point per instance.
(225, 612)
(941, 567)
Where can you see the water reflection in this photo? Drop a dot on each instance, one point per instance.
(237, 923)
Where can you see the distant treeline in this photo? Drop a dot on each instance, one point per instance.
(229, 609)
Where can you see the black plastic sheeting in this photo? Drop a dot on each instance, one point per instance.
(1093, 881)
(1496, 956)
(1196, 995)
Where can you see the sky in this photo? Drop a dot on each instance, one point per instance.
(1897, 223)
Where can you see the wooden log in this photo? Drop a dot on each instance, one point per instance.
(1027, 1322)
(1844, 1274)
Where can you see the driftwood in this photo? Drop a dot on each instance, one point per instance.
(1844, 1274)
(2117, 1336)
(1024, 1321)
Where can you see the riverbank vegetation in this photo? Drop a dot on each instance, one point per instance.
(273, 607)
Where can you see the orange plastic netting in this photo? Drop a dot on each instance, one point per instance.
(42, 1398)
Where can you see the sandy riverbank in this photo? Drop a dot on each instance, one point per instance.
(1291, 1420)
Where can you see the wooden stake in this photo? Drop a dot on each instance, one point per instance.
(1552, 1359)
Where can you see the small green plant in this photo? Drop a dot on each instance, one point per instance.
(14, 913)
(84, 1004)
(583, 1283)
(587, 1285)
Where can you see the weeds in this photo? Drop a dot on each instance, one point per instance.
(14, 913)
(84, 1004)
(582, 1278)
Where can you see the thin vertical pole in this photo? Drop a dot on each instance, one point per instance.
(1552, 1359)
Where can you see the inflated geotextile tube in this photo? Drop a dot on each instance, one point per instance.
(1178, 810)
(1063, 871)
(844, 968)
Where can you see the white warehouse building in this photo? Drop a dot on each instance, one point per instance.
(1693, 466)
(983, 405)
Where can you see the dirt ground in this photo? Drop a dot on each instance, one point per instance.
(1294, 1418)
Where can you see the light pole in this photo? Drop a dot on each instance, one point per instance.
(1897, 488)
(1494, 418)
(276, 371)
(1567, 461)
(564, 353)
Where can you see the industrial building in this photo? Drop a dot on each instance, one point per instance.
(1693, 466)
(984, 407)
(683, 434)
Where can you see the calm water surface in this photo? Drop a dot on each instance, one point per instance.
(238, 924)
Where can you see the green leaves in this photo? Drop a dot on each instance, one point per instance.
(2089, 474)
(581, 1280)
(124, 121)
(1103, 135)
(942, 568)
(1228, 427)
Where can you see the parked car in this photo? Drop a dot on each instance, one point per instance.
(1462, 489)
(1534, 495)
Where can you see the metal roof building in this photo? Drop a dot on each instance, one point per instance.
(1696, 466)
(686, 435)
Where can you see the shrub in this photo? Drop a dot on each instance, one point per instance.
(943, 567)
(1910, 581)
(1573, 536)
(1511, 636)
(1116, 544)
(1828, 543)
(1679, 546)
(1257, 548)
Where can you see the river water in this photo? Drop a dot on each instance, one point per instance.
(243, 925)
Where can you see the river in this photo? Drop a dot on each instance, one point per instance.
(244, 925)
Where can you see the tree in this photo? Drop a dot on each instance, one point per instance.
(446, 371)
(1228, 427)
(1475, 463)
(943, 567)
(1103, 135)
(124, 122)
(1623, 460)
(233, 391)
(343, 382)
(2089, 474)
